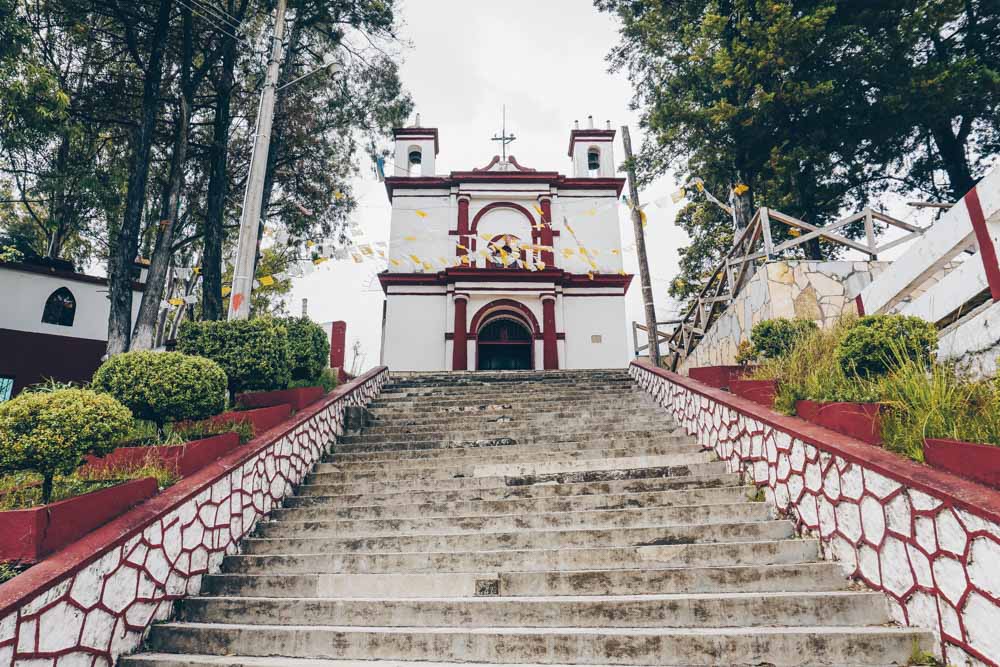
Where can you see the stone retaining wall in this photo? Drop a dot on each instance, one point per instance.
(929, 540)
(812, 290)
(94, 601)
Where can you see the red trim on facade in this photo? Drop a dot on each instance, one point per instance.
(418, 133)
(457, 178)
(29, 357)
(545, 203)
(517, 165)
(987, 251)
(462, 228)
(70, 276)
(550, 351)
(500, 305)
(959, 492)
(471, 274)
(860, 305)
(460, 350)
(598, 136)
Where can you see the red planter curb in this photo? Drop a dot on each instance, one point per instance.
(761, 392)
(974, 461)
(182, 460)
(31, 534)
(717, 376)
(858, 420)
(262, 419)
(297, 398)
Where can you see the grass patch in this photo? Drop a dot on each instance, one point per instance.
(23, 490)
(145, 434)
(9, 570)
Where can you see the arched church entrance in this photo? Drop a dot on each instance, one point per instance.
(504, 343)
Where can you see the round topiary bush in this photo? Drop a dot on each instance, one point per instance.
(308, 349)
(51, 432)
(253, 353)
(164, 386)
(877, 343)
(773, 339)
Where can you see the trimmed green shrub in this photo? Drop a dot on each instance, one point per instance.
(50, 433)
(253, 353)
(308, 349)
(877, 343)
(773, 339)
(164, 386)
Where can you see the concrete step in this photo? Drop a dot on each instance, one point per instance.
(520, 435)
(539, 424)
(535, 560)
(499, 467)
(473, 457)
(337, 488)
(619, 646)
(313, 508)
(512, 449)
(506, 416)
(621, 611)
(624, 518)
(192, 660)
(536, 539)
(473, 394)
(798, 577)
(308, 493)
(571, 440)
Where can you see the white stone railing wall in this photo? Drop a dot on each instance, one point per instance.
(927, 539)
(95, 600)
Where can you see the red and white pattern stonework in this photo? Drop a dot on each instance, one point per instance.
(937, 560)
(102, 605)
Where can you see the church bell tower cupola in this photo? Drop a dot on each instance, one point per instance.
(592, 150)
(416, 150)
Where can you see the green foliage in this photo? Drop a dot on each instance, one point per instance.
(164, 386)
(875, 342)
(187, 431)
(254, 353)
(809, 371)
(51, 433)
(745, 354)
(24, 490)
(936, 401)
(10, 570)
(776, 337)
(308, 347)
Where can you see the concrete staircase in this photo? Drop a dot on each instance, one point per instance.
(527, 517)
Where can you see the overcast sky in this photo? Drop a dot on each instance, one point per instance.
(467, 58)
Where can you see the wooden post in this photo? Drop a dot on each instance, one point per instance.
(640, 251)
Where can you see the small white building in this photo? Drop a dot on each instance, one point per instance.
(504, 267)
(53, 324)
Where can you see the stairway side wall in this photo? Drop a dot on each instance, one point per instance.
(96, 599)
(927, 539)
(818, 291)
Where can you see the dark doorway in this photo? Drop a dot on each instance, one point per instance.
(504, 345)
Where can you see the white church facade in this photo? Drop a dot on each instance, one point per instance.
(504, 267)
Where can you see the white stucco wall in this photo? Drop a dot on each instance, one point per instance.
(414, 332)
(24, 295)
(588, 316)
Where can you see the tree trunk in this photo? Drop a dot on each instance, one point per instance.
(46, 488)
(742, 204)
(143, 336)
(954, 161)
(57, 210)
(211, 264)
(125, 242)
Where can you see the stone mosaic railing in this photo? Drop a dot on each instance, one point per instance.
(94, 601)
(929, 540)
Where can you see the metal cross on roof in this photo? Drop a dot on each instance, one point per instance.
(503, 137)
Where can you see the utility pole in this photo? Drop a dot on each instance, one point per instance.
(246, 248)
(640, 252)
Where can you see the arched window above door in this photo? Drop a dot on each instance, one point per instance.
(60, 308)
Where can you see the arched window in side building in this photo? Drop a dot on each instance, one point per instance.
(60, 308)
(594, 161)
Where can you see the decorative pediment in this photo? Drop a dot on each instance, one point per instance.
(496, 164)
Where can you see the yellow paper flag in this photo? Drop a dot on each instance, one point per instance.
(357, 258)
(642, 216)
(176, 301)
(569, 229)
(540, 265)
(621, 272)
(338, 195)
(427, 266)
(266, 281)
(420, 213)
(590, 274)
(592, 212)
(539, 209)
(394, 262)
(415, 259)
(319, 260)
(409, 238)
(465, 259)
(226, 290)
(310, 244)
